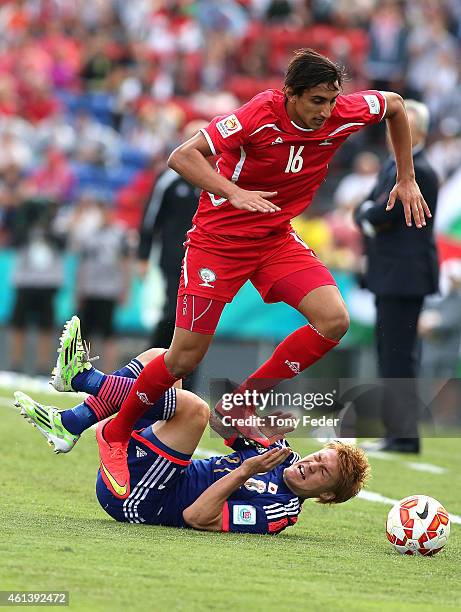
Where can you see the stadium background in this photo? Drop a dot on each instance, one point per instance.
(93, 97)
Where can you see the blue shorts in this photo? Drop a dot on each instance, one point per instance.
(154, 469)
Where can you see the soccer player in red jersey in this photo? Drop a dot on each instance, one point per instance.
(272, 155)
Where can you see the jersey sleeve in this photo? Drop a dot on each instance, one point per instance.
(364, 106)
(230, 132)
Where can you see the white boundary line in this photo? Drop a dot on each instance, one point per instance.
(413, 465)
(370, 496)
(382, 499)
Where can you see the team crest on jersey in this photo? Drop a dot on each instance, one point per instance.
(228, 126)
(207, 276)
(255, 485)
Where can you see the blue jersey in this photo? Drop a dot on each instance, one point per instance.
(164, 483)
(264, 504)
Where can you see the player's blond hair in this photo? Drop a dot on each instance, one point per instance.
(354, 470)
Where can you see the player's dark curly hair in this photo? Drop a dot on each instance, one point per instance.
(308, 69)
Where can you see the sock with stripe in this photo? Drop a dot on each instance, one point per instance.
(151, 384)
(90, 381)
(130, 370)
(111, 391)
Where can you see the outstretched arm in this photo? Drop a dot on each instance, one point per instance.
(406, 189)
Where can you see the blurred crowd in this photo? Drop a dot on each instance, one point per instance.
(94, 95)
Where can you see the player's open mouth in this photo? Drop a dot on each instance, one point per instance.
(302, 472)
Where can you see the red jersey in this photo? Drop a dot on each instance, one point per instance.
(261, 149)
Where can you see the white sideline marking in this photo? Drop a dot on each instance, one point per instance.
(366, 495)
(426, 467)
(381, 499)
(8, 403)
(413, 465)
(33, 384)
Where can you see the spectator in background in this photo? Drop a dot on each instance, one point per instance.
(13, 151)
(402, 269)
(439, 326)
(54, 179)
(37, 275)
(346, 241)
(445, 154)
(387, 57)
(439, 329)
(354, 187)
(433, 58)
(167, 218)
(13, 193)
(104, 273)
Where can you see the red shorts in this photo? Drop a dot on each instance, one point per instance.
(213, 270)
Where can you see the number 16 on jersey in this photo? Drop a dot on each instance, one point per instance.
(295, 160)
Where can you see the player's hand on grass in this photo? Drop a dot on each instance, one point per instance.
(265, 462)
(408, 192)
(254, 201)
(276, 432)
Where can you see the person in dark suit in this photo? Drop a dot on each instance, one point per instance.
(402, 268)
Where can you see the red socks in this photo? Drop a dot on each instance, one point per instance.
(297, 352)
(153, 381)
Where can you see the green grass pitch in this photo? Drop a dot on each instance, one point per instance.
(54, 536)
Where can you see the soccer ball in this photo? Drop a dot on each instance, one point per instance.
(418, 525)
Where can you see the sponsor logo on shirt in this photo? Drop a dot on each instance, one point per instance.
(228, 126)
(373, 103)
(325, 143)
(244, 515)
(140, 452)
(278, 140)
(207, 276)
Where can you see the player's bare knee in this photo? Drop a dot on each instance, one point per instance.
(200, 412)
(182, 363)
(192, 408)
(150, 354)
(338, 325)
(335, 325)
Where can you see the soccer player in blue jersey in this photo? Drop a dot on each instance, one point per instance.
(250, 490)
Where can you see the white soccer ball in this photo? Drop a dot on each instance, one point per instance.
(418, 525)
